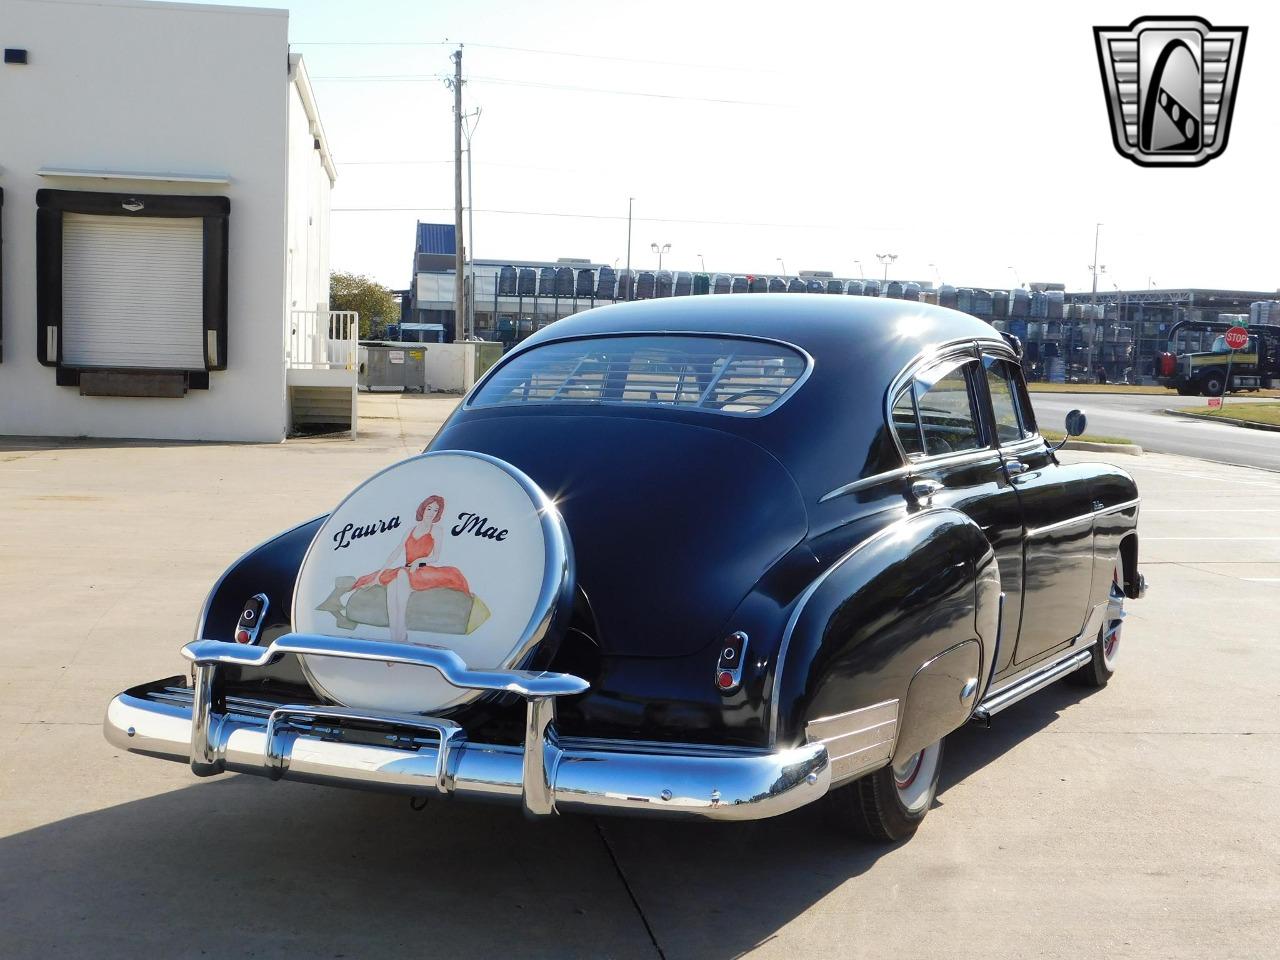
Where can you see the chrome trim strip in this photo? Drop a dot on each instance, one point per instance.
(558, 568)
(1080, 518)
(858, 740)
(1060, 524)
(1118, 507)
(958, 458)
(866, 482)
(584, 777)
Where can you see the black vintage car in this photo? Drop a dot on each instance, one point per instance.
(759, 552)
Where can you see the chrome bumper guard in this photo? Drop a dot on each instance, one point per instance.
(419, 755)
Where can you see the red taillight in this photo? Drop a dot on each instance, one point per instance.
(724, 679)
(242, 636)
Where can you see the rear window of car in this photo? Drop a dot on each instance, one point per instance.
(717, 374)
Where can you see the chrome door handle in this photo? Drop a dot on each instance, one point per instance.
(1014, 467)
(922, 491)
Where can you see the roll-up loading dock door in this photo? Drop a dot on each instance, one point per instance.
(132, 292)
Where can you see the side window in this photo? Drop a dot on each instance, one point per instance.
(944, 403)
(1004, 402)
(905, 423)
(1020, 394)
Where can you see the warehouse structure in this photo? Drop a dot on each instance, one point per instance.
(165, 225)
(1066, 336)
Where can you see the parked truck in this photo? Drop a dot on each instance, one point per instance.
(1219, 370)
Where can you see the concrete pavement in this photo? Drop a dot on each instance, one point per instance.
(1141, 418)
(1136, 821)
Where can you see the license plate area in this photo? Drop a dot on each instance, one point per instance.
(409, 732)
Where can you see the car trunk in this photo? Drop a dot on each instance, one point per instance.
(671, 523)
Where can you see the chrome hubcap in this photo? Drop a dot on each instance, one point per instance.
(913, 778)
(1115, 619)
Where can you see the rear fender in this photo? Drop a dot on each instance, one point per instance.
(866, 626)
(270, 568)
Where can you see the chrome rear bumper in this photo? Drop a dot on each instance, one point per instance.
(418, 755)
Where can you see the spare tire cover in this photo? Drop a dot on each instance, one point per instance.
(453, 549)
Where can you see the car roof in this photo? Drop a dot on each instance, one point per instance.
(820, 324)
(833, 429)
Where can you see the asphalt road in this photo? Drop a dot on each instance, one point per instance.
(1142, 419)
(1136, 821)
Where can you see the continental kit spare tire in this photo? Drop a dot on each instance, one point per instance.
(452, 549)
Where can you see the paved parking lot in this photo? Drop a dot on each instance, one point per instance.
(1137, 821)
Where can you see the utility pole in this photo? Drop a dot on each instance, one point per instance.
(471, 233)
(630, 285)
(459, 293)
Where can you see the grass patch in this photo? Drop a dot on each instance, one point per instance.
(1254, 412)
(1042, 387)
(1153, 390)
(1056, 435)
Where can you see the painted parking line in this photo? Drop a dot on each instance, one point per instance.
(1232, 539)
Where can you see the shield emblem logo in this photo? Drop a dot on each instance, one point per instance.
(1170, 84)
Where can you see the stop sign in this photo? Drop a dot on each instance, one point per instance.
(1237, 338)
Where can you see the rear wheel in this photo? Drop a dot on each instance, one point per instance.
(1213, 383)
(890, 803)
(1106, 651)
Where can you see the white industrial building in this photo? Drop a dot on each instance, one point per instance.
(164, 225)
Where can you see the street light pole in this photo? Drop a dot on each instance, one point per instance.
(630, 295)
(659, 251)
(784, 266)
(1094, 266)
(886, 259)
(861, 273)
(703, 263)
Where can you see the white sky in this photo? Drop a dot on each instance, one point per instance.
(971, 136)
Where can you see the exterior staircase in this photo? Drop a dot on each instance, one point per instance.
(322, 352)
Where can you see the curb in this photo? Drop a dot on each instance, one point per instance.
(1247, 424)
(1128, 449)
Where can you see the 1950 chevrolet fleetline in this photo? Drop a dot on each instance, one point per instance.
(711, 557)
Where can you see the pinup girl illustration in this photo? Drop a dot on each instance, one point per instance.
(412, 590)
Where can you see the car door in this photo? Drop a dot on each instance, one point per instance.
(937, 420)
(1057, 515)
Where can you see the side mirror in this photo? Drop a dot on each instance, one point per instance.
(1077, 422)
(1075, 426)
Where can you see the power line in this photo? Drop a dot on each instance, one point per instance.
(509, 82)
(590, 216)
(534, 50)
(478, 163)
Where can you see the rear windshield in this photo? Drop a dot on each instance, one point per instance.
(717, 374)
